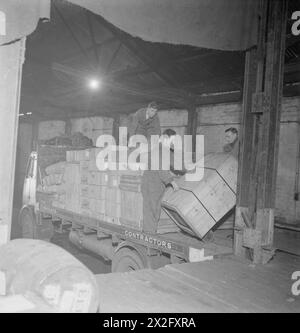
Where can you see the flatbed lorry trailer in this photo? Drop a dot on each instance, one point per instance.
(127, 247)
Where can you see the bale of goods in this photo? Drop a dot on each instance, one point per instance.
(50, 272)
(198, 205)
(52, 179)
(59, 189)
(56, 168)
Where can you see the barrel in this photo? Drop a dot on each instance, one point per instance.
(51, 273)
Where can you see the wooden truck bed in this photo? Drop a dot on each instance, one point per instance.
(177, 243)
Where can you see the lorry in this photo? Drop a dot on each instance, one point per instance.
(102, 210)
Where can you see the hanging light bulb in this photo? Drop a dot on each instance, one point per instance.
(94, 84)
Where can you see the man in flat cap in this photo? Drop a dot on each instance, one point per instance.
(231, 142)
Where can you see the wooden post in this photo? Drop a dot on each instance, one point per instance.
(192, 124)
(260, 134)
(68, 127)
(11, 63)
(115, 130)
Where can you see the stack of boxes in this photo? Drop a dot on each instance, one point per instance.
(72, 185)
(131, 199)
(110, 196)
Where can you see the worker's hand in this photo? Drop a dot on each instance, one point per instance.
(175, 186)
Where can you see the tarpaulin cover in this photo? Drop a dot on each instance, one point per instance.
(216, 24)
(19, 18)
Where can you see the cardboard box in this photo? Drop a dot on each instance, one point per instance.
(84, 191)
(113, 194)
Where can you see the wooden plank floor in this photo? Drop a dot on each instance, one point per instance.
(226, 284)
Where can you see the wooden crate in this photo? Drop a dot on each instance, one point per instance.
(70, 156)
(82, 155)
(85, 203)
(102, 178)
(58, 204)
(113, 195)
(84, 166)
(85, 212)
(101, 192)
(112, 209)
(113, 179)
(92, 160)
(112, 219)
(93, 191)
(92, 177)
(72, 197)
(100, 216)
(197, 206)
(100, 206)
(131, 205)
(72, 173)
(84, 190)
(130, 182)
(84, 177)
(134, 224)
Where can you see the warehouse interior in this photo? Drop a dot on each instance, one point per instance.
(81, 73)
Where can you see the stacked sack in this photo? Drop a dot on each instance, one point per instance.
(53, 183)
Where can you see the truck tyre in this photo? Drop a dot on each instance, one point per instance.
(126, 260)
(28, 224)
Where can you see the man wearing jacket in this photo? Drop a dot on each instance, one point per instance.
(154, 183)
(147, 121)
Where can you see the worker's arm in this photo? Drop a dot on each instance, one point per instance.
(168, 178)
(135, 122)
(156, 130)
(177, 163)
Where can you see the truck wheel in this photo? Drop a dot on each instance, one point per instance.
(27, 221)
(126, 260)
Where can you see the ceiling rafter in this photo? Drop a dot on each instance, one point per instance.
(90, 48)
(112, 59)
(82, 49)
(92, 34)
(134, 50)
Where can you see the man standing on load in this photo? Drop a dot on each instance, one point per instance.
(147, 122)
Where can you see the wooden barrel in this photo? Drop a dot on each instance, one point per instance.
(50, 272)
(198, 205)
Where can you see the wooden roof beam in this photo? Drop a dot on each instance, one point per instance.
(134, 50)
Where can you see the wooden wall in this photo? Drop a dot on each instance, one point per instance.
(214, 119)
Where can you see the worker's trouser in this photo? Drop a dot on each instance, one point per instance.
(151, 211)
(152, 191)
